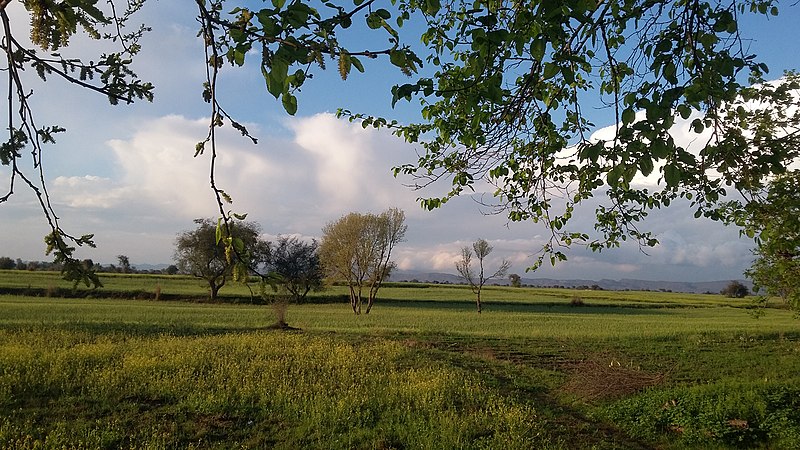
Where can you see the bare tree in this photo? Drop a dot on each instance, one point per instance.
(482, 249)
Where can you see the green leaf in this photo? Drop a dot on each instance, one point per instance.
(685, 111)
(592, 152)
(628, 116)
(238, 57)
(432, 6)
(659, 149)
(697, 126)
(269, 26)
(278, 3)
(538, 48)
(238, 245)
(289, 103)
(398, 58)
(219, 232)
(374, 21)
(646, 165)
(357, 64)
(550, 70)
(672, 175)
(276, 78)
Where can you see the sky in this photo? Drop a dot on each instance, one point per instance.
(128, 175)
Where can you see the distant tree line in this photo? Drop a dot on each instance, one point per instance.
(7, 263)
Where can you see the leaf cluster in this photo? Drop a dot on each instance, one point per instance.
(293, 37)
(505, 106)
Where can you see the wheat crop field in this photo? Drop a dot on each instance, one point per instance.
(144, 363)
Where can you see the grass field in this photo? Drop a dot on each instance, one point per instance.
(423, 370)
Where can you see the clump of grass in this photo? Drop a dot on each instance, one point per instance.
(577, 301)
(741, 414)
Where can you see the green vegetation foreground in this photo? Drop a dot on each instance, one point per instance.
(627, 370)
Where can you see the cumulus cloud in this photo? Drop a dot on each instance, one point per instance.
(351, 166)
(326, 168)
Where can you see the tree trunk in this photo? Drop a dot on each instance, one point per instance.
(369, 303)
(353, 299)
(479, 301)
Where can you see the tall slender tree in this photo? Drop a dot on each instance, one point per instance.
(476, 281)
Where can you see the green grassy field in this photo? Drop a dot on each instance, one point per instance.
(423, 370)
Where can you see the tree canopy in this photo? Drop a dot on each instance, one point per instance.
(503, 88)
(775, 224)
(357, 249)
(203, 252)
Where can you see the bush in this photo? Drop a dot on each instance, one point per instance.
(735, 289)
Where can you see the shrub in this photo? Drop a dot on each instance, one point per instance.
(576, 301)
(735, 289)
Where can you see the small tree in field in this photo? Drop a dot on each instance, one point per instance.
(296, 266)
(476, 281)
(124, 264)
(735, 289)
(515, 280)
(357, 248)
(200, 253)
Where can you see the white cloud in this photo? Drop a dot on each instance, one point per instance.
(88, 191)
(352, 166)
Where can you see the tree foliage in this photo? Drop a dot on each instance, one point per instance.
(506, 105)
(125, 264)
(735, 289)
(204, 252)
(296, 266)
(503, 92)
(7, 263)
(503, 88)
(476, 281)
(775, 223)
(357, 249)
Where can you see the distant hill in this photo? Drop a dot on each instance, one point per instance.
(611, 285)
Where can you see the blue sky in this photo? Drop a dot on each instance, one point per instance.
(126, 173)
